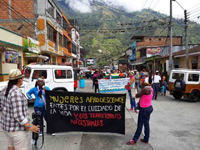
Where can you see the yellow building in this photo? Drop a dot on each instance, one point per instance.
(12, 48)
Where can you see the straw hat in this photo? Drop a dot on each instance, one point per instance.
(15, 74)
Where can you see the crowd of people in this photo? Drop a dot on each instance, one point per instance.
(15, 117)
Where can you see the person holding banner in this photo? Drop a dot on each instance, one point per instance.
(40, 100)
(131, 88)
(145, 107)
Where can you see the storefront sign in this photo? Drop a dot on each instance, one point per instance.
(155, 50)
(33, 45)
(85, 112)
(137, 55)
(12, 57)
(112, 85)
(30, 55)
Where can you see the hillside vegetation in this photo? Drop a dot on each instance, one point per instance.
(110, 30)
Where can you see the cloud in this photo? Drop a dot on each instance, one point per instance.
(80, 5)
(84, 6)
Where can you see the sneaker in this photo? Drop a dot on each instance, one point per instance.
(142, 140)
(53, 134)
(130, 109)
(131, 142)
(136, 111)
(40, 134)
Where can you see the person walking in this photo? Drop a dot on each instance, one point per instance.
(163, 81)
(40, 100)
(137, 81)
(156, 84)
(15, 117)
(130, 87)
(146, 95)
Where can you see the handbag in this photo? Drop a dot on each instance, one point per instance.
(138, 106)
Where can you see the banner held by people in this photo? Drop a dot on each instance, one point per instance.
(112, 85)
(85, 112)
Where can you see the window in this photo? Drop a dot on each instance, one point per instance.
(73, 48)
(27, 73)
(65, 41)
(193, 77)
(60, 40)
(50, 9)
(53, 60)
(143, 53)
(65, 25)
(63, 60)
(51, 33)
(178, 76)
(58, 18)
(63, 74)
(39, 74)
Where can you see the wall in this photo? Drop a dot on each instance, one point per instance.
(10, 37)
(154, 41)
(25, 8)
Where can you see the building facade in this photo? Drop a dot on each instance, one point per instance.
(44, 21)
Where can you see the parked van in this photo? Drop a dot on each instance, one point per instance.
(57, 78)
(185, 83)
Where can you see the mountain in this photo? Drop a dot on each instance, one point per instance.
(110, 29)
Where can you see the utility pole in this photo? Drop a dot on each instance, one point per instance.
(186, 39)
(170, 42)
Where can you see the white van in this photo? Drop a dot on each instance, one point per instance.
(58, 78)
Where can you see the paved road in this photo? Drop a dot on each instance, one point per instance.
(174, 126)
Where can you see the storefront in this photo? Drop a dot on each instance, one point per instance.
(13, 46)
(11, 52)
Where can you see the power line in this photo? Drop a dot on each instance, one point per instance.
(150, 3)
(156, 4)
(144, 4)
(23, 18)
(194, 6)
(179, 4)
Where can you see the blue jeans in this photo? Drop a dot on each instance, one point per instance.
(143, 119)
(43, 112)
(155, 90)
(137, 86)
(132, 100)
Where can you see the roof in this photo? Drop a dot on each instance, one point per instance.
(138, 37)
(49, 66)
(182, 52)
(181, 70)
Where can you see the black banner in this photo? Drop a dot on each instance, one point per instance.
(86, 112)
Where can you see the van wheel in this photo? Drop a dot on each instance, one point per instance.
(60, 90)
(194, 96)
(177, 95)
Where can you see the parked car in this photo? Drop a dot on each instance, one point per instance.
(185, 83)
(56, 77)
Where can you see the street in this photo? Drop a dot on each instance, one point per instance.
(174, 126)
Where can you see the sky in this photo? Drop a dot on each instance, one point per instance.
(162, 6)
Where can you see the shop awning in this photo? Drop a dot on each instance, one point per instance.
(138, 63)
(190, 54)
(32, 55)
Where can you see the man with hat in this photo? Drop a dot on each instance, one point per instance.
(14, 120)
(156, 84)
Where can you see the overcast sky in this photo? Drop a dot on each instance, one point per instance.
(193, 6)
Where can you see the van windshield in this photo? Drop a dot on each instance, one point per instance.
(178, 76)
(27, 73)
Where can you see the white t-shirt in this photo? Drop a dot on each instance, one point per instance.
(157, 78)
